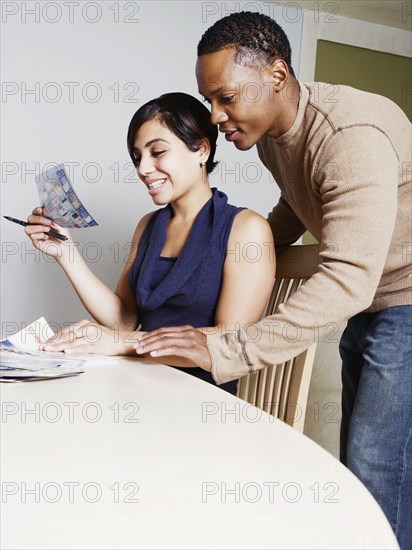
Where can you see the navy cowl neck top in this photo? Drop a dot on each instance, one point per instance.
(183, 290)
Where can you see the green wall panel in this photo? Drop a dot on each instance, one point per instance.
(381, 73)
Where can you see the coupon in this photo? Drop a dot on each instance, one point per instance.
(60, 201)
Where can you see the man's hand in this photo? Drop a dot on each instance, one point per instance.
(185, 341)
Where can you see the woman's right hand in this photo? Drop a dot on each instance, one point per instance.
(38, 233)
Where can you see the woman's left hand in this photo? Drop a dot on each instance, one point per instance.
(87, 337)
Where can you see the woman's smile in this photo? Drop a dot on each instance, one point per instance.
(155, 185)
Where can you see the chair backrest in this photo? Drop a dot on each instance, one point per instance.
(282, 389)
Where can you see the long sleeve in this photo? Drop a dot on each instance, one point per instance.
(356, 175)
(286, 226)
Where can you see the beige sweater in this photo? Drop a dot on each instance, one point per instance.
(344, 170)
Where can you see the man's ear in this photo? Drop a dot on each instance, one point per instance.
(279, 72)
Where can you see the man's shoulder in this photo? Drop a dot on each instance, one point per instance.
(341, 106)
(334, 112)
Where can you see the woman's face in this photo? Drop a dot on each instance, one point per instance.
(164, 163)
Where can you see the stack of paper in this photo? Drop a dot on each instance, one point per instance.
(20, 358)
(17, 365)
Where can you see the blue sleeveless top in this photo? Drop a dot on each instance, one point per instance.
(183, 290)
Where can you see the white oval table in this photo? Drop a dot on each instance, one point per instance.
(141, 456)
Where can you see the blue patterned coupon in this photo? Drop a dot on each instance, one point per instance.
(60, 201)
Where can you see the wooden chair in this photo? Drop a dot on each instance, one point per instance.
(282, 390)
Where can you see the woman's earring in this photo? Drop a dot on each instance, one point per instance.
(204, 173)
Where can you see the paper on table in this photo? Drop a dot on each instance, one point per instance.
(20, 358)
(14, 366)
(13, 358)
(31, 336)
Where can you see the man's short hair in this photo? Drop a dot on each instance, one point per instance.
(257, 39)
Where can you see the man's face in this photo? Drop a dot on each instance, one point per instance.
(243, 100)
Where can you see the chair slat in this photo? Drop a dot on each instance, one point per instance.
(282, 389)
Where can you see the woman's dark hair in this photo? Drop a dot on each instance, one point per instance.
(183, 115)
(257, 39)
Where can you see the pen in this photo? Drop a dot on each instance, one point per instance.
(51, 233)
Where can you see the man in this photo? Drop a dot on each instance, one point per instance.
(343, 163)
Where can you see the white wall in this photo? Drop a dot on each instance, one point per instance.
(132, 52)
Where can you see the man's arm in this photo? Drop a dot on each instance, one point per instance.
(286, 226)
(357, 177)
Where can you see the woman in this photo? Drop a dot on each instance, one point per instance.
(189, 261)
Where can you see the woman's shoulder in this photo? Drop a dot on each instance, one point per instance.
(250, 225)
(243, 219)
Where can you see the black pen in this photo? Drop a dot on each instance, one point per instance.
(51, 233)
